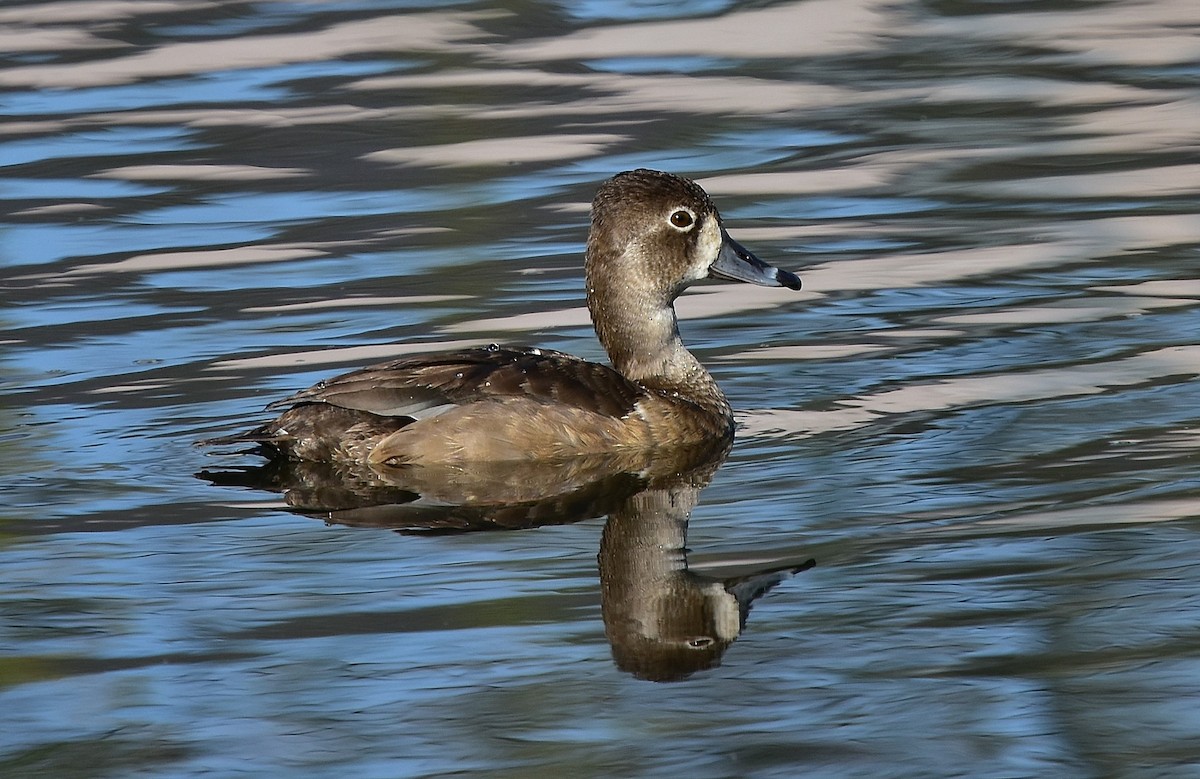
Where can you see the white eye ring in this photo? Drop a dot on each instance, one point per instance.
(682, 219)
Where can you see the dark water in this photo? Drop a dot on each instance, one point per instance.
(981, 419)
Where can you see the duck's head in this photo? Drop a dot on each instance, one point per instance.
(657, 233)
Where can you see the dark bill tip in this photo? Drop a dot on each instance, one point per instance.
(736, 263)
(787, 279)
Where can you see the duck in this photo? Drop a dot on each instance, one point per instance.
(652, 235)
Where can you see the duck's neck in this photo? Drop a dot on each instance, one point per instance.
(638, 328)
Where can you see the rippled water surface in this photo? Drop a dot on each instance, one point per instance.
(980, 419)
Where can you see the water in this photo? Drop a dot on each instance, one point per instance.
(979, 419)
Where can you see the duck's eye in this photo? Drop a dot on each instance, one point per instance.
(682, 219)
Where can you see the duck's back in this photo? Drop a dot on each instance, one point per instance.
(493, 403)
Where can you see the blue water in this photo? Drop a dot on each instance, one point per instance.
(978, 420)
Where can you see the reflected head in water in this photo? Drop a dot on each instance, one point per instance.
(663, 621)
(652, 235)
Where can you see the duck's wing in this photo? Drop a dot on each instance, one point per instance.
(422, 386)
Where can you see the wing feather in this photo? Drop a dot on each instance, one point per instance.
(420, 386)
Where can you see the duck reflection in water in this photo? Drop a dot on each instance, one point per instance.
(664, 622)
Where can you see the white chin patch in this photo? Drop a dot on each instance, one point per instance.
(708, 246)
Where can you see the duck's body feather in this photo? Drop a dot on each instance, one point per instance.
(424, 385)
(488, 404)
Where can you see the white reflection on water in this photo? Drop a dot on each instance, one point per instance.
(403, 32)
(200, 173)
(957, 393)
(810, 29)
(500, 151)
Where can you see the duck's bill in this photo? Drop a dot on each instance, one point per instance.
(736, 263)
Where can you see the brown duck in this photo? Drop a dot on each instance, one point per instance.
(652, 235)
